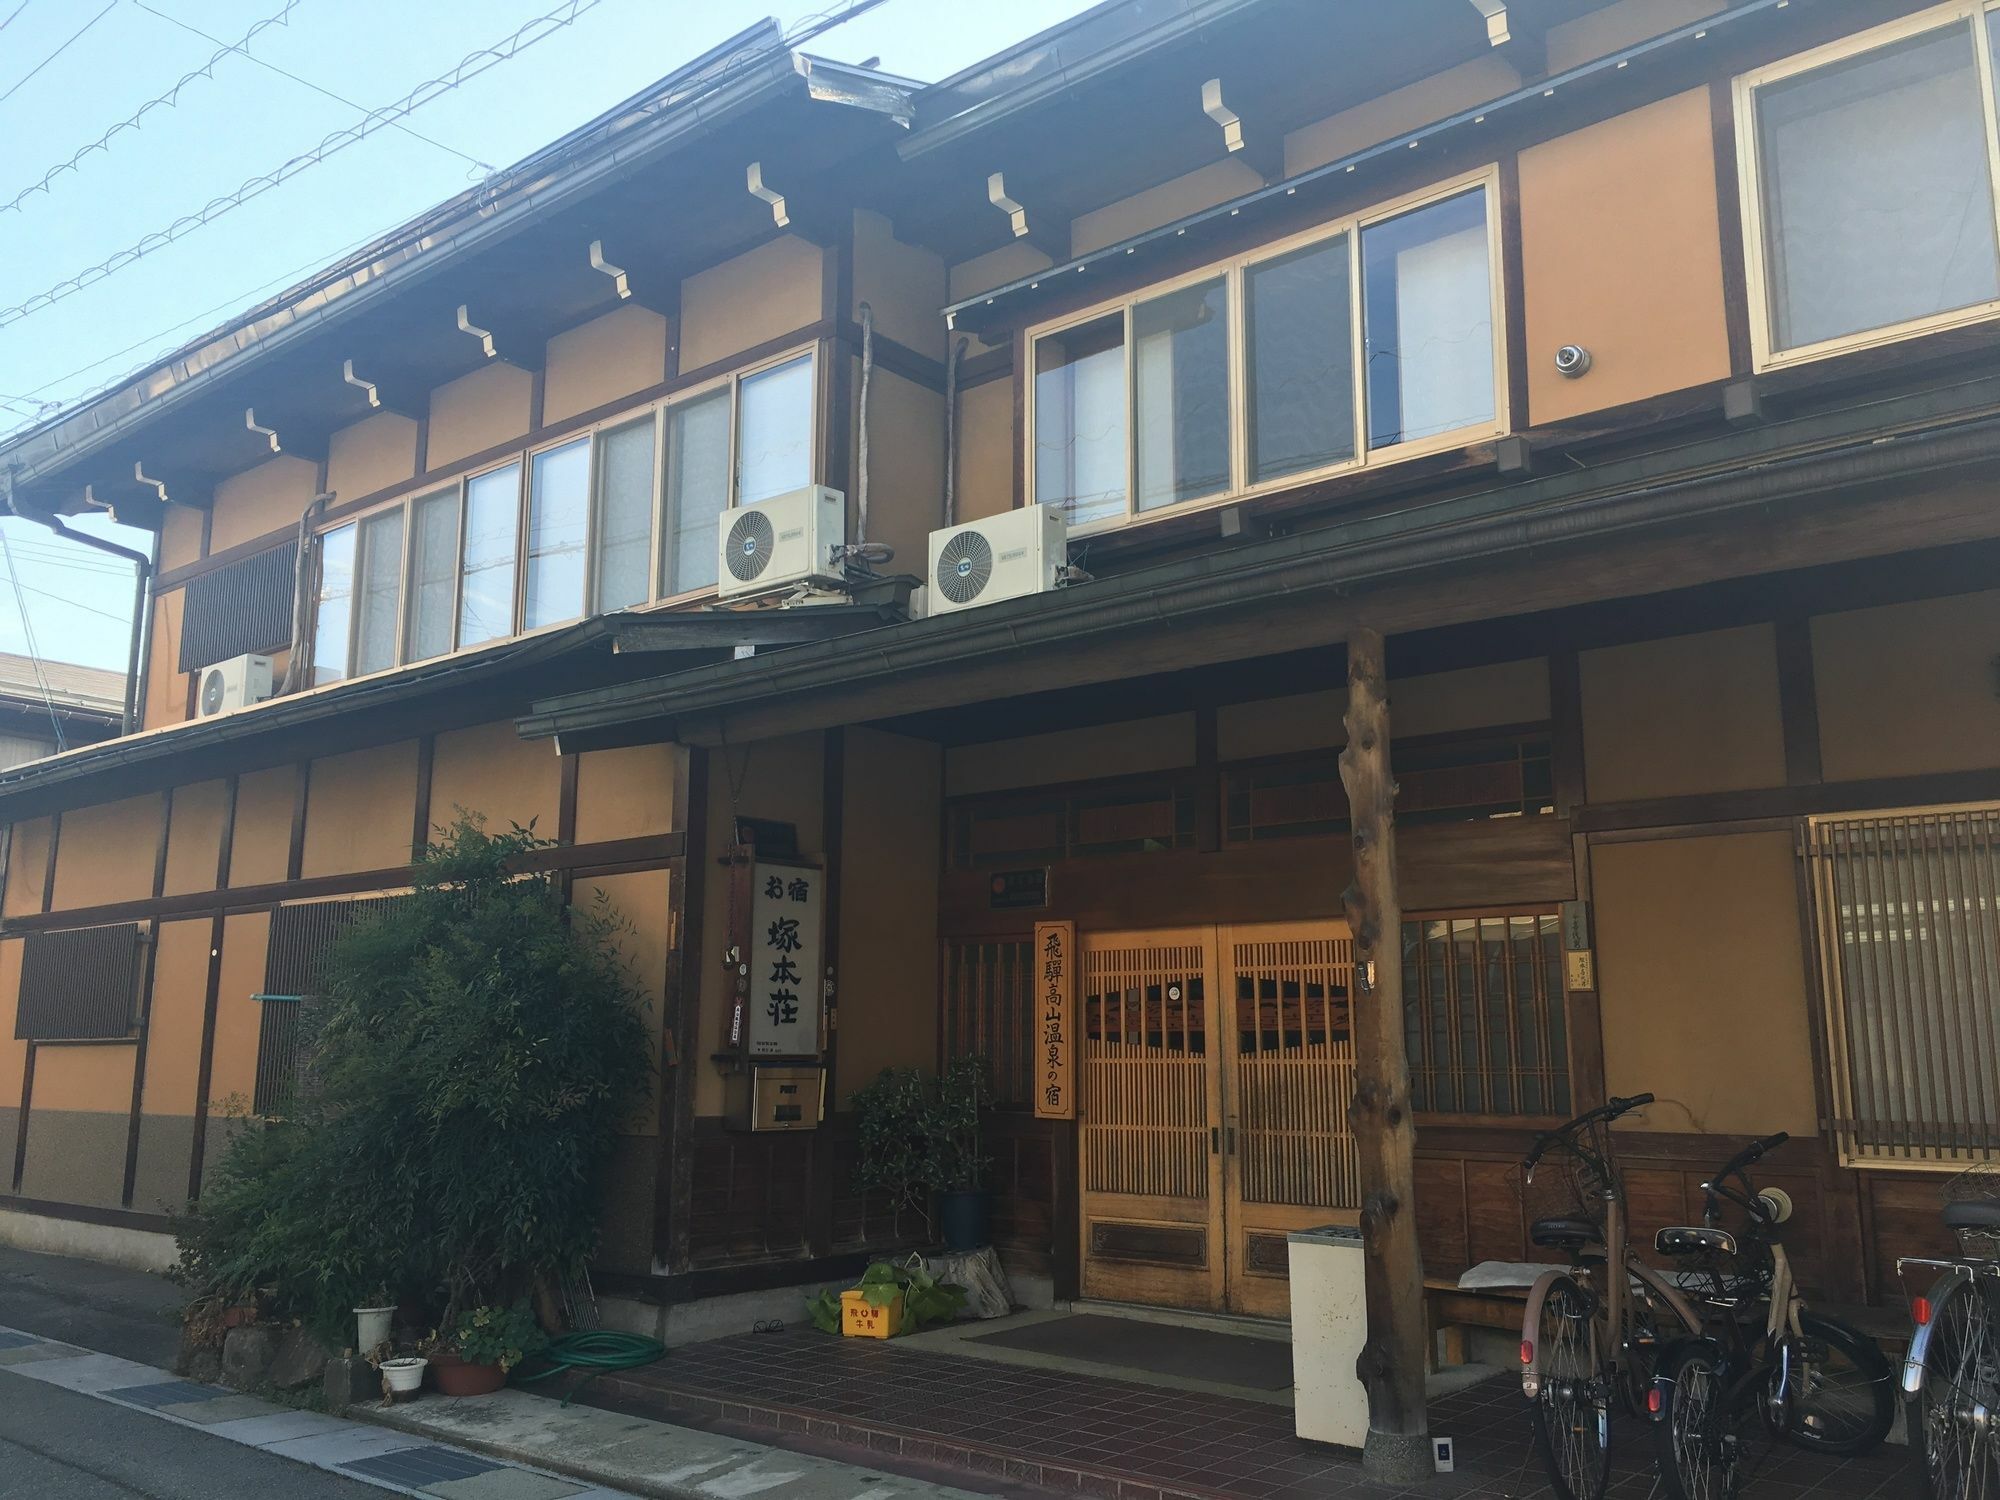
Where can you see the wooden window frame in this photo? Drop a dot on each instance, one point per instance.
(1764, 356)
(1232, 271)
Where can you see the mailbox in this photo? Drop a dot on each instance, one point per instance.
(775, 1097)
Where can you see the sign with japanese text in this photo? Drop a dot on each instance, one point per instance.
(786, 957)
(1055, 1021)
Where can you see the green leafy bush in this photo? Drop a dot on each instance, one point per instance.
(502, 1336)
(918, 1137)
(463, 1081)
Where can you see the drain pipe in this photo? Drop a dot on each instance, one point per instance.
(861, 456)
(304, 568)
(142, 577)
(951, 430)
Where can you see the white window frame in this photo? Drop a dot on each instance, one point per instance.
(1764, 356)
(653, 412)
(1232, 271)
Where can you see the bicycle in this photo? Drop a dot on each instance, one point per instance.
(1591, 1335)
(1952, 1371)
(1761, 1352)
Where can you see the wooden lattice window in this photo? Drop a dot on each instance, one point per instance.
(989, 1010)
(81, 984)
(1450, 781)
(1484, 1015)
(1041, 827)
(1907, 906)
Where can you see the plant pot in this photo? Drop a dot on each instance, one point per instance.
(371, 1327)
(456, 1377)
(404, 1374)
(962, 1218)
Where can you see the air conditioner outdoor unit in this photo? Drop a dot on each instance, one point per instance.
(788, 539)
(229, 685)
(1002, 557)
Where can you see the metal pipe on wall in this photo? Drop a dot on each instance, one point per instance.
(861, 451)
(951, 360)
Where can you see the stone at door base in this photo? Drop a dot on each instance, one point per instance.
(348, 1380)
(298, 1360)
(246, 1356)
(987, 1294)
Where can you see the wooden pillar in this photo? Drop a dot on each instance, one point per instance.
(1392, 1362)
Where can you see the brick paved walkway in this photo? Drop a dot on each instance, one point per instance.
(1020, 1430)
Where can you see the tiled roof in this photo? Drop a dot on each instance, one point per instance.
(70, 685)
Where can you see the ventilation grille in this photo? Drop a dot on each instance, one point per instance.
(752, 540)
(964, 567)
(79, 986)
(242, 608)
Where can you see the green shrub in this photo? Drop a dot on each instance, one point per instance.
(917, 1137)
(502, 1336)
(463, 1081)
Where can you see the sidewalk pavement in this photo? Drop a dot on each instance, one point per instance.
(109, 1333)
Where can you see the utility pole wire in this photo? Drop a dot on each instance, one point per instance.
(473, 64)
(167, 100)
(28, 633)
(13, 13)
(471, 161)
(110, 5)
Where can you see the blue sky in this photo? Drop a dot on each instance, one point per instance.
(245, 120)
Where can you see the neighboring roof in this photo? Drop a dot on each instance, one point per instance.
(68, 685)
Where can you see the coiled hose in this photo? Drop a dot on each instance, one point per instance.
(595, 1353)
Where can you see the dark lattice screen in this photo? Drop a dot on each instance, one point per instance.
(301, 942)
(80, 985)
(246, 606)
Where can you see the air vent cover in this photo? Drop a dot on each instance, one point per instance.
(965, 566)
(751, 539)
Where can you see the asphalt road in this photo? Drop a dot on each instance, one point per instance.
(58, 1445)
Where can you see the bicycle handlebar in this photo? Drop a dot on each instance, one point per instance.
(1611, 1109)
(1752, 1153)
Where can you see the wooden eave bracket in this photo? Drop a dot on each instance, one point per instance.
(1265, 153)
(383, 395)
(270, 444)
(500, 348)
(620, 280)
(1035, 233)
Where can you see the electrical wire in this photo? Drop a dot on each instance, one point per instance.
(110, 5)
(13, 13)
(470, 67)
(159, 101)
(416, 135)
(28, 632)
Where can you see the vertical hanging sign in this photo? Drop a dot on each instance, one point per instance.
(1055, 1020)
(787, 956)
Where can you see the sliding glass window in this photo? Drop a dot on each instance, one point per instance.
(486, 569)
(624, 528)
(1868, 186)
(433, 574)
(381, 585)
(774, 431)
(333, 619)
(558, 528)
(1374, 338)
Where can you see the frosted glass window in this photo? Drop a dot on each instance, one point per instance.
(486, 569)
(433, 573)
(774, 432)
(1080, 420)
(625, 515)
(333, 620)
(381, 575)
(1427, 293)
(1877, 198)
(1181, 370)
(558, 521)
(697, 489)
(1300, 333)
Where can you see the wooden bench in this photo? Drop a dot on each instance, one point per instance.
(1452, 1310)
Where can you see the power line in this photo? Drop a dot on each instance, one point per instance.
(167, 100)
(13, 13)
(90, 609)
(28, 632)
(471, 161)
(473, 64)
(109, 6)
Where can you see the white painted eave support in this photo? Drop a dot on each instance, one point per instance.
(996, 194)
(366, 387)
(1498, 32)
(619, 279)
(269, 434)
(1222, 114)
(159, 486)
(753, 178)
(484, 335)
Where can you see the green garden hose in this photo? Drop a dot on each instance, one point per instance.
(595, 1353)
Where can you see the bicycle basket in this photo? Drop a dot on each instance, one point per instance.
(1566, 1186)
(1976, 1184)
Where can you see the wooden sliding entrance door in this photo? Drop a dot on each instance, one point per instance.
(1217, 1065)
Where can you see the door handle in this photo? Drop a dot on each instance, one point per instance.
(1215, 1140)
(1232, 1140)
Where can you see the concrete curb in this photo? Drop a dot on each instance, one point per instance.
(401, 1419)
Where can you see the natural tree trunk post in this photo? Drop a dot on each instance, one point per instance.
(1392, 1363)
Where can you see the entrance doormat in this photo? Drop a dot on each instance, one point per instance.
(1160, 1348)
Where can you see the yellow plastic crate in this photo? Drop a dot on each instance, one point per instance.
(861, 1319)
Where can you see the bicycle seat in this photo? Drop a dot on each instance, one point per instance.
(1685, 1239)
(1564, 1234)
(1973, 1213)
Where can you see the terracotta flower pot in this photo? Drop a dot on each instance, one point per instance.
(455, 1377)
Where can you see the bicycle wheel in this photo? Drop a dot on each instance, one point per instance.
(1573, 1405)
(1699, 1436)
(1840, 1399)
(1961, 1387)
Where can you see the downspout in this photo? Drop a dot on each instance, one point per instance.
(861, 455)
(142, 578)
(304, 565)
(951, 430)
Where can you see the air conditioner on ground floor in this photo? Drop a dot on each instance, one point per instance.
(789, 539)
(1001, 557)
(229, 685)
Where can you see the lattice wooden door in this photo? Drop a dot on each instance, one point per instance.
(1217, 1066)
(1150, 1126)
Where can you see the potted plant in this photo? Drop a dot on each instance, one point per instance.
(483, 1346)
(921, 1141)
(372, 1324)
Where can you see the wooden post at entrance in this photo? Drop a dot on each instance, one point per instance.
(1392, 1362)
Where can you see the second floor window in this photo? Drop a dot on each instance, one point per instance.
(1868, 186)
(615, 517)
(1371, 340)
